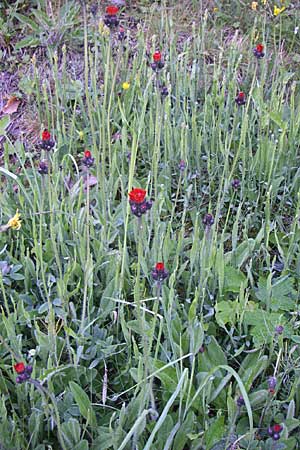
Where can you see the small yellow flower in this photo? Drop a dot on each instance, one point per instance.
(254, 6)
(81, 135)
(126, 85)
(264, 2)
(216, 9)
(278, 10)
(103, 29)
(15, 222)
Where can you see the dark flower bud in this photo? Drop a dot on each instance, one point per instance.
(182, 165)
(279, 329)
(240, 401)
(121, 34)
(43, 168)
(208, 220)
(272, 382)
(19, 379)
(164, 91)
(276, 436)
(28, 370)
(235, 183)
(149, 205)
(270, 431)
(23, 377)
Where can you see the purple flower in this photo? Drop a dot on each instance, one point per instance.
(279, 329)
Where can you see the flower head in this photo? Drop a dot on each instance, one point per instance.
(159, 273)
(138, 204)
(157, 61)
(23, 371)
(254, 6)
(274, 431)
(112, 10)
(137, 195)
(111, 19)
(277, 428)
(87, 159)
(240, 98)
(160, 266)
(156, 56)
(259, 51)
(47, 143)
(19, 367)
(126, 85)
(15, 222)
(277, 10)
(46, 135)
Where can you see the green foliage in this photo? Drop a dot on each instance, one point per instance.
(119, 361)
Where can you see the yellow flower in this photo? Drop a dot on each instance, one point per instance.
(264, 2)
(81, 135)
(254, 6)
(278, 10)
(103, 29)
(216, 9)
(14, 222)
(126, 85)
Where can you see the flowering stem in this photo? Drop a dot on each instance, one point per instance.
(155, 312)
(87, 271)
(45, 392)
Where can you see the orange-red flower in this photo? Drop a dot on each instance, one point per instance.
(112, 10)
(160, 266)
(137, 195)
(19, 367)
(156, 56)
(46, 135)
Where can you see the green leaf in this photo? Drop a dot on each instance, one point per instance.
(29, 41)
(27, 21)
(71, 432)
(168, 376)
(214, 433)
(4, 122)
(185, 429)
(226, 312)
(233, 279)
(83, 403)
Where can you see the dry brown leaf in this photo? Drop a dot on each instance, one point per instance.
(11, 106)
